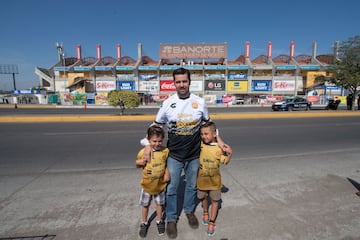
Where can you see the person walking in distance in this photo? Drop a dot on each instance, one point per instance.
(182, 113)
(349, 101)
(209, 177)
(154, 180)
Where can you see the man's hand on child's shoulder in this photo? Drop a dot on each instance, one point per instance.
(227, 152)
(147, 154)
(140, 163)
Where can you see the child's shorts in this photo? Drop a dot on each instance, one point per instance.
(145, 198)
(214, 194)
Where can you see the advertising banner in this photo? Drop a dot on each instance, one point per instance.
(284, 85)
(217, 76)
(311, 76)
(105, 85)
(196, 86)
(147, 77)
(261, 86)
(238, 86)
(78, 98)
(167, 86)
(184, 51)
(237, 76)
(101, 98)
(125, 85)
(149, 86)
(105, 78)
(125, 77)
(90, 98)
(214, 85)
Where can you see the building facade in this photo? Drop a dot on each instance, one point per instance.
(213, 75)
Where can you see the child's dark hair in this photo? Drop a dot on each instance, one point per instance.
(210, 124)
(155, 130)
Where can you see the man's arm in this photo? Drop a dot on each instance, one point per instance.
(227, 152)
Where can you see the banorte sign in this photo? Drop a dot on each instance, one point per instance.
(183, 51)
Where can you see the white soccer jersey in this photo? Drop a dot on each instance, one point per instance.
(183, 118)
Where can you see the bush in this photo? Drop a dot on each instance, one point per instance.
(123, 99)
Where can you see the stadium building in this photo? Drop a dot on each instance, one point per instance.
(215, 77)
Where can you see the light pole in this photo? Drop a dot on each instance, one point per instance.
(64, 77)
(63, 60)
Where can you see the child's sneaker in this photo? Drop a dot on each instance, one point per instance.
(143, 230)
(211, 229)
(161, 227)
(205, 218)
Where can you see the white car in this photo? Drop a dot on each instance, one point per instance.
(238, 100)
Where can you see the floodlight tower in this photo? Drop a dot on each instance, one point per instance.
(59, 47)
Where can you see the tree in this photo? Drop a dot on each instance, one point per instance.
(347, 66)
(124, 99)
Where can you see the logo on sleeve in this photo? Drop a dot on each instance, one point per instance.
(173, 105)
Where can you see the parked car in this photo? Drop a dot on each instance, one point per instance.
(291, 104)
(238, 100)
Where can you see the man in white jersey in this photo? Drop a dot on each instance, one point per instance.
(183, 113)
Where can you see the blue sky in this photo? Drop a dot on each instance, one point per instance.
(31, 28)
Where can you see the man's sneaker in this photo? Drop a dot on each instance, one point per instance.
(161, 227)
(205, 218)
(171, 230)
(211, 229)
(193, 222)
(143, 230)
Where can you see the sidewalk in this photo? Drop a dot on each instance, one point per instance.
(293, 198)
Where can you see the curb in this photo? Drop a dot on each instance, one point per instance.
(100, 118)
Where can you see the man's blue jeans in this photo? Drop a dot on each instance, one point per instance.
(175, 168)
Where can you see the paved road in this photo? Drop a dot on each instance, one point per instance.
(6, 109)
(53, 113)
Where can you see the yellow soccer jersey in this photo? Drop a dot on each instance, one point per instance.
(153, 173)
(209, 177)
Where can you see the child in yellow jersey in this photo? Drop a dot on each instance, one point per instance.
(154, 179)
(209, 177)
